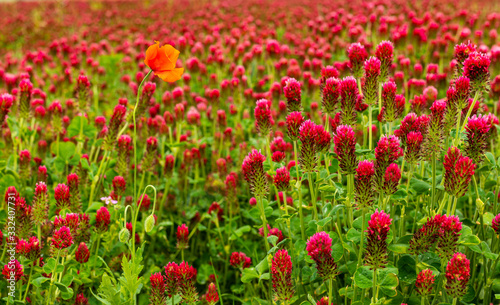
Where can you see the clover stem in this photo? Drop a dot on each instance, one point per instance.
(313, 196)
(433, 178)
(302, 226)
(370, 132)
(264, 221)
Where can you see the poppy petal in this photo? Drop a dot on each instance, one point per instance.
(151, 54)
(172, 55)
(172, 75)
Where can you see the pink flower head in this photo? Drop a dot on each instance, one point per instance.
(169, 165)
(282, 179)
(324, 301)
(13, 271)
(364, 183)
(392, 104)
(345, 148)
(326, 73)
(425, 280)
(81, 299)
(293, 122)
(240, 260)
(62, 238)
(263, 119)
(462, 52)
(357, 55)
(292, 91)
(331, 94)
(349, 96)
(391, 179)
(385, 53)
(477, 136)
(186, 276)
(411, 122)
(323, 139)
(30, 248)
(387, 151)
(40, 204)
(158, 286)
(253, 171)
(102, 219)
(434, 136)
(457, 275)
(308, 135)
(376, 246)
(182, 237)
(6, 101)
(214, 207)
(61, 194)
(281, 273)
(371, 80)
(278, 156)
(463, 88)
(476, 69)
(458, 172)
(448, 236)
(495, 224)
(413, 142)
(418, 104)
(319, 248)
(119, 185)
(171, 280)
(82, 253)
(212, 297)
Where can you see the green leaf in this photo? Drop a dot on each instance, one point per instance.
(470, 294)
(337, 251)
(263, 266)
(490, 158)
(470, 240)
(419, 186)
(407, 269)
(398, 248)
(239, 232)
(61, 287)
(249, 274)
(66, 150)
(265, 276)
(324, 221)
(311, 299)
(67, 279)
(354, 235)
(68, 294)
(363, 278)
(389, 284)
(130, 279)
(39, 281)
(76, 125)
(49, 266)
(272, 239)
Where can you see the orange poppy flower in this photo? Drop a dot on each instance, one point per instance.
(162, 61)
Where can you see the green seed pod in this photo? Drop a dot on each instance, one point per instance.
(149, 223)
(124, 235)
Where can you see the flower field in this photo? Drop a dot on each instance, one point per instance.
(250, 152)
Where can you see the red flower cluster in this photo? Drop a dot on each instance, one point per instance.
(457, 275)
(376, 245)
(363, 188)
(458, 172)
(281, 273)
(319, 248)
(240, 260)
(345, 148)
